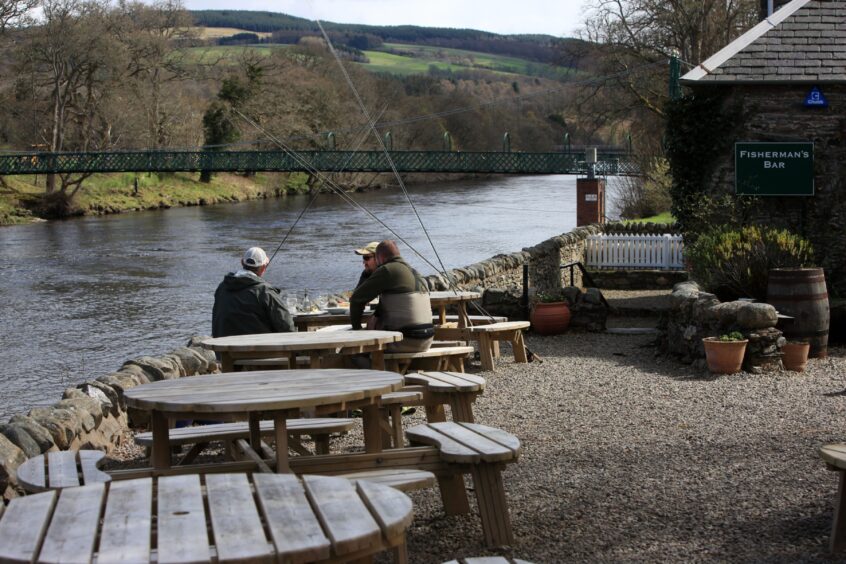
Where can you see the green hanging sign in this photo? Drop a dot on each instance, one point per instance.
(774, 169)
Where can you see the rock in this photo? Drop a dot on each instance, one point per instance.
(191, 361)
(82, 411)
(592, 296)
(572, 294)
(106, 395)
(61, 424)
(157, 368)
(138, 374)
(40, 435)
(21, 439)
(757, 316)
(11, 456)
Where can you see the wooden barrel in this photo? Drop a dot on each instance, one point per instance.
(801, 294)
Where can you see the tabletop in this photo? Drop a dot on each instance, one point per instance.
(446, 297)
(313, 344)
(211, 518)
(268, 394)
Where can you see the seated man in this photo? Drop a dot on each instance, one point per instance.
(368, 255)
(403, 301)
(244, 303)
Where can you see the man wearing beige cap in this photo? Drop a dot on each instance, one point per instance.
(244, 303)
(368, 255)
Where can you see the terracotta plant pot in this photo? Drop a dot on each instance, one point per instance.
(550, 318)
(724, 357)
(795, 356)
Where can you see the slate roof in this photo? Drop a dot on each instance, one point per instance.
(803, 42)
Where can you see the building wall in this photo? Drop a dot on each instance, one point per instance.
(776, 113)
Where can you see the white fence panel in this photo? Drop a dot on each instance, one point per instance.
(635, 251)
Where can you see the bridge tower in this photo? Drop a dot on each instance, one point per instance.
(590, 194)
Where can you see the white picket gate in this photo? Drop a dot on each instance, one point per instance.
(635, 251)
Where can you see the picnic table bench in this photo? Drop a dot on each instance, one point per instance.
(213, 518)
(318, 428)
(62, 469)
(436, 358)
(834, 456)
(487, 336)
(456, 389)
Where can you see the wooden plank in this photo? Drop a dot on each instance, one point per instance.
(61, 469)
(181, 527)
(345, 519)
(228, 431)
(391, 508)
(450, 450)
(127, 523)
(403, 479)
(294, 529)
(236, 526)
(472, 438)
(32, 474)
(73, 529)
(23, 526)
(89, 461)
(446, 382)
(496, 327)
(247, 450)
(504, 438)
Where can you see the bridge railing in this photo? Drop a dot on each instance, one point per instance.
(325, 161)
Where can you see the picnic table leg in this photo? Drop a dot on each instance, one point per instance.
(227, 364)
(160, 457)
(493, 507)
(292, 360)
(486, 351)
(435, 413)
(280, 426)
(453, 494)
(372, 428)
(462, 408)
(463, 318)
(401, 553)
(377, 360)
(519, 347)
(314, 360)
(255, 431)
(442, 314)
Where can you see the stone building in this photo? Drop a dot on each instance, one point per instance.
(787, 77)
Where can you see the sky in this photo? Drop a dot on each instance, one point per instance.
(560, 18)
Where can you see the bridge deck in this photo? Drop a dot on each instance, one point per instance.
(324, 161)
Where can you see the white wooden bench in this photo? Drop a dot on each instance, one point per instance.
(436, 358)
(458, 390)
(482, 452)
(318, 428)
(62, 469)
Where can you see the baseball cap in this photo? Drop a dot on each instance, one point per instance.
(255, 256)
(368, 249)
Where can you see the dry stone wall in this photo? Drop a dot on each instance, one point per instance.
(91, 415)
(695, 314)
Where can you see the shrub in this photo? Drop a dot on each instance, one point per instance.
(735, 263)
(733, 336)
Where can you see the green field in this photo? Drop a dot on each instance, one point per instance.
(225, 53)
(417, 59)
(665, 217)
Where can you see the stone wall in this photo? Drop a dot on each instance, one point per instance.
(637, 279)
(91, 415)
(776, 113)
(695, 314)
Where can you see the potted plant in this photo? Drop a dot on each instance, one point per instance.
(724, 354)
(550, 313)
(795, 355)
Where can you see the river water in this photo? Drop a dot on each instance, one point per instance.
(79, 297)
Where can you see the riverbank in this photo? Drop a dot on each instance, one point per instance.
(128, 192)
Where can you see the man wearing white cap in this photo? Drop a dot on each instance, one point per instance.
(368, 255)
(244, 303)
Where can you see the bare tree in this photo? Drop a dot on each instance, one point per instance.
(14, 11)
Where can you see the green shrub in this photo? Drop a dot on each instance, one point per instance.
(733, 336)
(735, 263)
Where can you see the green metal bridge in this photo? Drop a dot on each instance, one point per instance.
(608, 163)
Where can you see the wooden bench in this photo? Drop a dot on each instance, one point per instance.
(455, 389)
(488, 336)
(390, 407)
(319, 429)
(270, 363)
(62, 469)
(482, 452)
(474, 319)
(403, 479)
(436, 358)
(834, 456)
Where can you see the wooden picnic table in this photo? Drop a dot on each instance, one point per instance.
(313, 321)
(268, 394)
(441, 300)
(311, 344)
(211, 518)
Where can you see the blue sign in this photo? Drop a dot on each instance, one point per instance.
(816, 99)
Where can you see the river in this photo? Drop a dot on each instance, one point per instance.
(82, 296)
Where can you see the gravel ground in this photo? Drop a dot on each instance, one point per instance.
(632, 457)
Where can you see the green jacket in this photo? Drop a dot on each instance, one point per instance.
(245, 304)
(393, 277)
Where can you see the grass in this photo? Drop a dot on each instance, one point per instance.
(115, 193)
(665, 217)
(218, 32)
(225, 53)
(420, 57)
